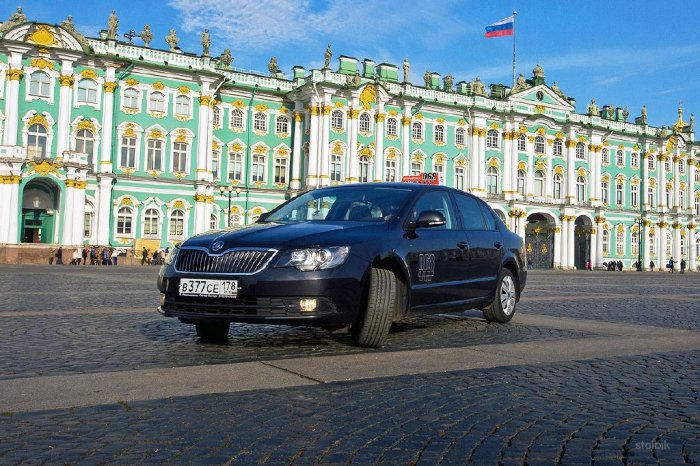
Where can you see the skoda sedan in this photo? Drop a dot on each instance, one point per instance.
(361, 255)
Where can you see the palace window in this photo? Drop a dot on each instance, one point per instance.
(620, 160)
(392, 127)
(681, 167)
(667, 165)
(154, 155)
(37, 140)
(157, 102)
(125, 217)
(697, 205)
(652, 244)
(280, 170)
(260, 121)
(521, 182)
(336, 168)
(88, 220)
(634, 159)
(635, 243)
(697, 176)
(619, 194)
(605, 157)
(39, 84)
(87, 91)
(390, 170)
(634, 195)
(258, 168)
(604, 188)
(558, 183)
(235, 166)
(439, 134)
(128, 153)
(282, 125)
(337, 120)
(236, 119)
(651, 163)
(213, 222)
(580, 189)
(440, 170)
(681, 199)
(522, 144)
(539, 183)
(539, 145)
(581, 151)
(558, 149)
(606, 241)
(620, 243)
(177, 224)
(492, 181)
(365, 123)
(215, 162)
(669, 202)
(364, 169)
(85, 143)
(180, 157)
(182, 105)
(460, 137)
(669, 244)
(151, 221)
(651, 197)
(416, 168)
(492, 139)
(460, 177)
(131, 98)
(682, 246)
(216, 117)
(417, 131)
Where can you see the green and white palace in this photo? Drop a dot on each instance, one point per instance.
(111, 143)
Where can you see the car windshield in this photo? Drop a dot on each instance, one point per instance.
(371, 204)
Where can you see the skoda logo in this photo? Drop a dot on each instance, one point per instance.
(217, 245)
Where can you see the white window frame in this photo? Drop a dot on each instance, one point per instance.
(89, 89)
(522, 143)
(151, 108)
(417, 131)
(540, 145)
(620, 158)
(557, 179)
(460, 137)
(460, 178)
(216, 164)
(260, 122)
(580, 189)
(364, 169)
(580, 151)
(216, 115)
(392, 127)
(492, 174)
(364, 123)
(129, 216)
(390, 170)
(125, 98)
(175, 222)
(282, 125)
(336, 168)
(558, 148)
(38, 136)
(439, 134)
(236, 158)
(634, 195)
(605, 157)
(235, 113)
(151, 152)
(492, 139)
(337, 120)
(147, 221)
(79, 139)
(180, 150)
(281, 167)
(183, 106)
(258, 163)
(520, 182)
(29, 96)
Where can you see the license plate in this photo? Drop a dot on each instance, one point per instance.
(212, 288)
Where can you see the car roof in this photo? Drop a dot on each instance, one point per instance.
(383, 184)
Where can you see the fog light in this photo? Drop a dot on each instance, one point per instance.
(162, 299)
(307, 305)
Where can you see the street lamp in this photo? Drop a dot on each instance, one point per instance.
(228, 192)
(639, 222)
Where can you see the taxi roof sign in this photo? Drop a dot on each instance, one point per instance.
(423, 178)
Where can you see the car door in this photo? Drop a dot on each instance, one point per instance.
(485, 245)
(436, 256)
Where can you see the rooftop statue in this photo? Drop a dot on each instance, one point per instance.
(273, 66)
(68, 25)
(520, 84)
(538, 71)
(448, 80)
(478, 87)
(691, 123)
(14, 20)
(558, 91)
(406, 69)
(172, 40)
(327, 57)
(206, 42)
(146, 35)
(427, 79)
(644, 115)
(592, 108)
(625, 114)
(112, 25)
(226, 59)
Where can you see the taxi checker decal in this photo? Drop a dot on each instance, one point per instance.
(426, 267)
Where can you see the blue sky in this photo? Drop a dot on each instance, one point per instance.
(622, 53)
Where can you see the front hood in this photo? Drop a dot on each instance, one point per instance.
(290, 235)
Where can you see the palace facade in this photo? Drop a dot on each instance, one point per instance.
(110, 143)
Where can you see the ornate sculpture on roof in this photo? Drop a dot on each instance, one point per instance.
(354, 80)
(538, 71)
(691, 123)
(172, 40)
(448, 81)
(14, 20)
(644, 115)
(662, 132)
(557, 91)
(406, 69)
(273, 67)
(206, 42)
(608, 111)
(69, 26)
(592, 108)
(520, 85)
(112, 25)
(426, 79)
(478, 87)
(226, 59)
(327, 57)
(625, 114)
(146, 35)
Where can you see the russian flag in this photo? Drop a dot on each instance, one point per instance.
(500, 28)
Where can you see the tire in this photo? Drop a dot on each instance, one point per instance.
(212, 331)
(372, 326)
(502, 308)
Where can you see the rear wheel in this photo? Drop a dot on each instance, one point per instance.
(502, 307)
(372, 326)
(212, 331)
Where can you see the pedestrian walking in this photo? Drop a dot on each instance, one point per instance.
(86, 253)
(682, 265)
(144, 256)
(588, 264)
(619, 266)
(651, 265)
(115, 255)
(105, 256)
(93, 255)
(670, 264)
(59, 256)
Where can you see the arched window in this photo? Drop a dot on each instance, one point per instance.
(85, 143)
(652, 162)
(87, 91)
(392, 127)
(492, 139)
(620, 160)
(652, 243)
(88, 220)
(539, 145)
(236, 118)
(521, 182)
(539, 183)
(364, 169)
(337, 122)
(416, 167)
(154, 155)
(581, 189)
(635, 243)
(580, 151)
(125, 221)
(260, 121)
(37, 140)
(336, 168)
(558, 148)
(151, 223)
(460, 136)
(605, 192)
(634, 159)
(492, 181)
(156, 102)
(651, 197)
(417, 131)
(460, 178)
(634, 195)
(365, 123)
(177, 224)
(439, 134)
(180, 157)
(606, 241)
(213, 222)
(620, 242)
(258, 168)
(390, 174)
(619, 193)
(39, 84)
(557, 184)
(131, 98)
(216, 117)
(182, 105)
(605, 156)
(282, 125)
(127, 157)
(439, 168)
(522, 144)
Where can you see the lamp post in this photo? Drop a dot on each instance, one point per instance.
(639, 222)
(228, 192)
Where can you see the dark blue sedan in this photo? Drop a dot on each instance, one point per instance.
(359, 255)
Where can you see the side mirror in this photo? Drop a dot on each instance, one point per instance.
(263, 217)
(428, 219)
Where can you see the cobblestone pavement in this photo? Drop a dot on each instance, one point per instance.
(616, 410)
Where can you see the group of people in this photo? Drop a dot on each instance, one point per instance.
(671, 263)
(613, 266)
(153, 258)
(92, 255)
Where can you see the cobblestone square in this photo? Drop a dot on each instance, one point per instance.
(595, 368)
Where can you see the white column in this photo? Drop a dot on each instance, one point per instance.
(67, 214)
(474, 166)
(570, 243)
(514, 160)
(4, 207)
(645, 182)
(522, 223)
(692, 260)
(379, 142)
(13, 228)
(557, 246)
(107, 123)
(65, 105)
(312, 169)
(201, 220)
(406, 141)
(297, 153)
(352, 162)
(549, 178)
(661, 184)
(646, 249)
(690, 191)
(676, 182)
(677, 246)
(203, 137)
(482, 162)
(593, 248)
(323, 152)
(530, 175)
(599, 243)
(571, 170)
(663, 260)
(14, 74)
(78, 212)
(563, 259)
(594, 158)
(507, 163)
(104, 206)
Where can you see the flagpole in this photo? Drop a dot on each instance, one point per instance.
(514, 14)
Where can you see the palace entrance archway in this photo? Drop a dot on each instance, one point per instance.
(582, 242)
(40, 201)
(539, 241)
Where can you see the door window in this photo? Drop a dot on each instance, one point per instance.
(469, 212)
(440, 202)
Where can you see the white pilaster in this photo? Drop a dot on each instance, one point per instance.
(353, 162)
(661, 184)
(530, 175)
(107, 128)
(104, 207)
(571, 169)
(692, 260)
(379, 142)
(507, 162)
(67, 214)
(563, 256)
(549, 176)
(14, 210)
(663, 259)
(677, 256)
(474, 167)
(570, 243)
(599, 245)
(65, 104)
(646, 258)
(78, 217)
(312, 170)
(644, 198)
(204, 136)
(557, 246)
(297, 153)
(323, 150)
(406, 141)
(482, 163)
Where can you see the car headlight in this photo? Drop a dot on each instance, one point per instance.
(314, 258)
(171, 256)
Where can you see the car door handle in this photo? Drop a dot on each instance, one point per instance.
(462, 245)
(498, 245)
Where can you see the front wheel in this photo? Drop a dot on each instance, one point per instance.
(212, 331)
(502, 307)
(372, 326)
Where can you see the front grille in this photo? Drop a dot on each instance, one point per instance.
(236, 261)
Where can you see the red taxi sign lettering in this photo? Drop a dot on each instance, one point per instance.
(423, 178)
